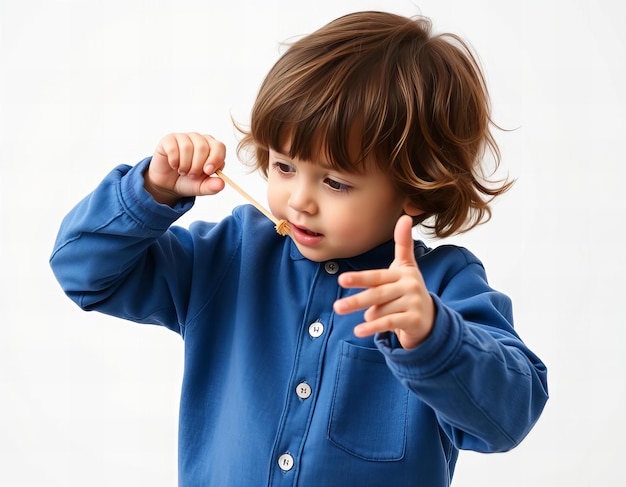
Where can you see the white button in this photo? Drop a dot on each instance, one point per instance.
(316, 329)
(285, 462)
(331, 267)
(303, 390)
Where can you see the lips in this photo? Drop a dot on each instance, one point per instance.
(309, 232)
(304, 236)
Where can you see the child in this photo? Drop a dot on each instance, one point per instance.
(346, 353)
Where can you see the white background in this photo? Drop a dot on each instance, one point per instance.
(88, 400)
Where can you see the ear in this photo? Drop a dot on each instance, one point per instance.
(410, 209)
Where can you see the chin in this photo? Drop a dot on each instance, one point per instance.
(319, 255)
(314, 255)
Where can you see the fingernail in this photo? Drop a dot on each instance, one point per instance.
(209, 169)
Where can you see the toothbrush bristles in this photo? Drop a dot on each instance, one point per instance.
(282, 228)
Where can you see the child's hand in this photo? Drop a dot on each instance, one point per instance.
(182, 165)
(396, 298)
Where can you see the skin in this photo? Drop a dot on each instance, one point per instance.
(330, 213)
(337, 207)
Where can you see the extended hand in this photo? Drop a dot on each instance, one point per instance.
(396, 299)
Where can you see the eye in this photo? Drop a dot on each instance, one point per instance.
(283, 167)
(337, 186)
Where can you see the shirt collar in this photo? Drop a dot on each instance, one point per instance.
(378, 258)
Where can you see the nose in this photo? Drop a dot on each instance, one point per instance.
(302, 197)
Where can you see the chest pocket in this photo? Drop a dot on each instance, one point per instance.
(368, 416)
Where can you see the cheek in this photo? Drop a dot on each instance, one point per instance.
(350, 221)
(370, 222)
(276, 197)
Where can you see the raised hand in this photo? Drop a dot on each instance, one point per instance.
(182, 165)
(395, 299)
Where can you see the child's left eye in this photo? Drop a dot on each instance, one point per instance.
(336, 185)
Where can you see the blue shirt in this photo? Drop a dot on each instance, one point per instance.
(277, 390)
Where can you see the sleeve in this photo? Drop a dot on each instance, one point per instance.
(484, 384)
(116, 253)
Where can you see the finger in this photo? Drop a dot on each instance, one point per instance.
(185, 150)
(201, 149)
(380, 325)
(211, 185)
(370, 278)
(216, 157)
(408, 306)
(375, 296)
(404, 247)
(166, 152)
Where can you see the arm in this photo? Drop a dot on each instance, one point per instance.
(115, 251)
(487, 388)
(462, 357)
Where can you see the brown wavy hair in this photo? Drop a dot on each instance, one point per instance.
(419, 100)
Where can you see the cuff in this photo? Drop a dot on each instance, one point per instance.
(142, 206)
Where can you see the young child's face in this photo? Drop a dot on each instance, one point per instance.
(333, 214)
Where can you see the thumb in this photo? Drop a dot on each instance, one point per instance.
(404, 248)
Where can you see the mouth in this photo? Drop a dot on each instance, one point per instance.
(305, 236)
(306, 231)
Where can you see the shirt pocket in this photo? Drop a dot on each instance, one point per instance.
(368, 416)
